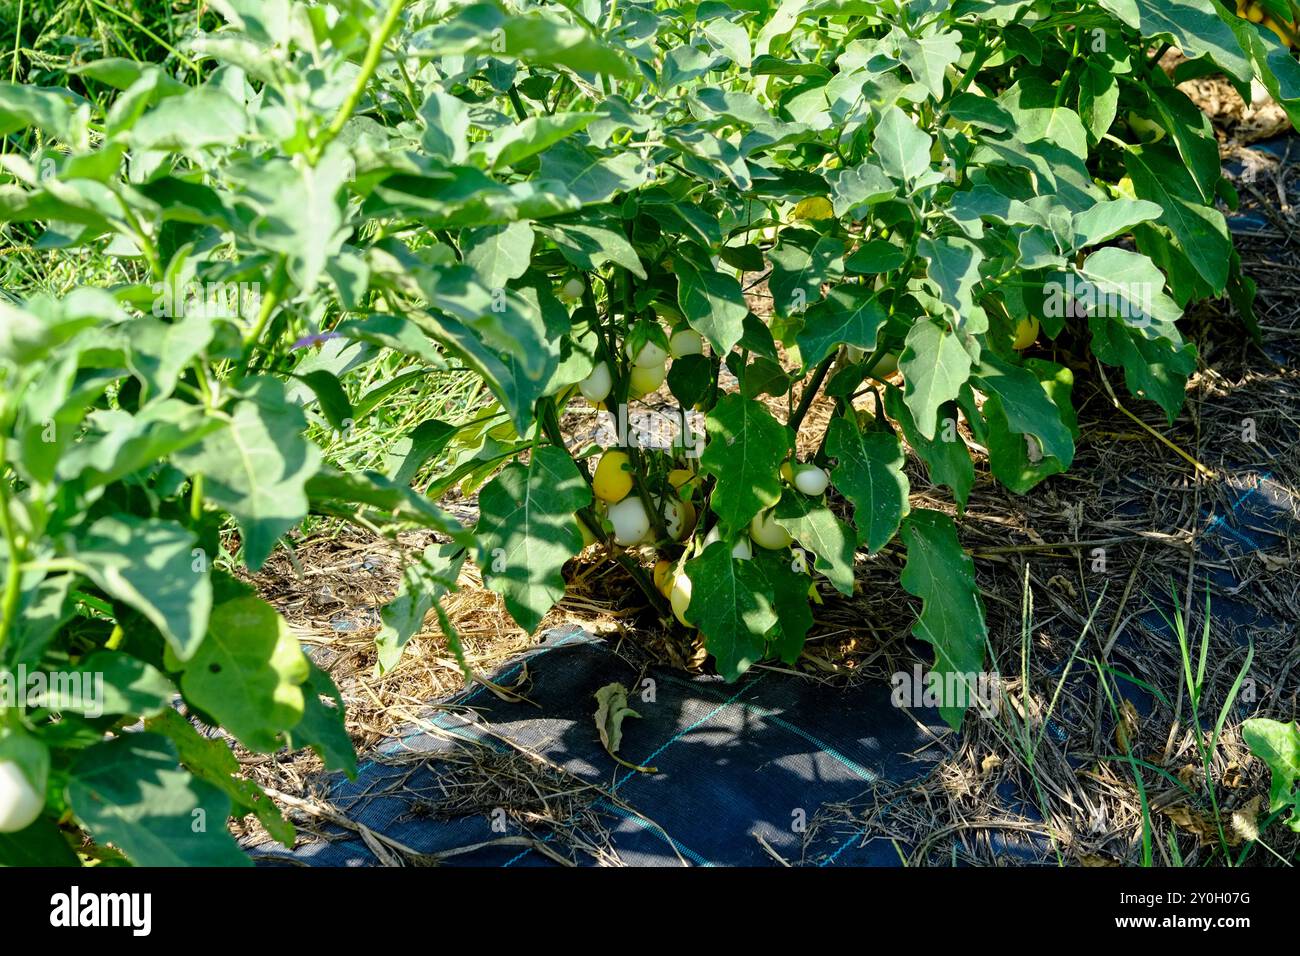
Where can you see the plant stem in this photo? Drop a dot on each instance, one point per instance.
(13, 571)
(810, 393)
(368, 66)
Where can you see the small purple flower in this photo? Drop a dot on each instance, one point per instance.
(318, 338)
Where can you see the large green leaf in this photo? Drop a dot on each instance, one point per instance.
(1278, 745)
(322, 727)
(149, 564)
(851, 314)
(210, 759)
(107, 682)
(1202, 233)
(1153, 368)
(1194, 25)
(1018, 461)
(730, 609)
(500, 253)
(527, 530)
(902, 149)
(746, 446)
(257, 466)
(946, 455)
(248, 672)
(952, 616)
(1028, 407)
(814, 526)
(713, 304)
(869, 472)
(934, 366)
(132, 792)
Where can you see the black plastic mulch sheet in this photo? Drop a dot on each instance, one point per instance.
(735, 762)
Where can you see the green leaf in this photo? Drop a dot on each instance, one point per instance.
(248, 673)
(746, 446)
(148, 564)
(712, 303)
(328, 488)
(1278, 745)
(1193, 134)
(295, 210)
(934, 366)
(814, 526)
(801, 263)
(200, 118)
(690, 379)
(953, 265)
(499, 253)
(946, 456)
(526, 531)
(874, 257)
(510, 145)
(1201, 230)
(786, 587)
(333, 401)
(59, 112)
(160, 350)
(952, 616)
(589, 247)
(322, 726)
(425, 581)
(856, 189)
(1110, 218)
(1098, 99)
(210, 759)
(257, 467)
(1026, 403)
(1194, 25)
(928, 57)
(1124, 287)
(116, 443)
(108, 682)
(849, 314)
(1020, 462)
(446, 127)
(1153, 368)
(132, 792)
(869, 472)
(42, 844)
(729, 607)
(902, 149)
(591, 177)
(408, 455)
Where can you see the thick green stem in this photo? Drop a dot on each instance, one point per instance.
(368, 66)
